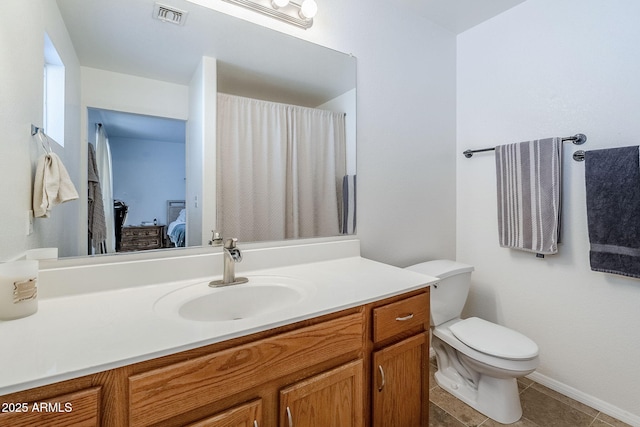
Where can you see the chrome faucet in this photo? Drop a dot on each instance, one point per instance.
(231, 255)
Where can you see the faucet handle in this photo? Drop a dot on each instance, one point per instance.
(216, 238)
(231, 243)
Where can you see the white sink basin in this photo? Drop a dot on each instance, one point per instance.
(261, 295)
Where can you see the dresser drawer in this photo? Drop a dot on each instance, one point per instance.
(141, 231)
(408, 314)
(140, 243)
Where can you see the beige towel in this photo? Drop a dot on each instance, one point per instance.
(52, 185)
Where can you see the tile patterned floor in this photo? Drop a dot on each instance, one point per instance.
(541, 407)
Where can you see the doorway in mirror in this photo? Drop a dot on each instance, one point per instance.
(141, 174)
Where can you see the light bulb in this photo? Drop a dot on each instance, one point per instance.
(308, 9)
(279, 3)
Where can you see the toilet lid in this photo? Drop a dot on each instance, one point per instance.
(493, 339)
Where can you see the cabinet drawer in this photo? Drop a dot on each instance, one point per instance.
(81, 408)
(405, 315)
(163, 393)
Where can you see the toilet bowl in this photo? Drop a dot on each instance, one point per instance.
(478, 361)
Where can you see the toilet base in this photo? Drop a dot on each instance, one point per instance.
(497, 398)
(489, 390)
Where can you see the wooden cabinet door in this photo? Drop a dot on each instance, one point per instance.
(399, 381)
(247, 415)
(331, 399)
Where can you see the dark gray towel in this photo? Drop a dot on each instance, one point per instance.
(613, 210)
(348, 206)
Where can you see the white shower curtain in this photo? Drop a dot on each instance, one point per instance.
(279, 170)
(103, 160)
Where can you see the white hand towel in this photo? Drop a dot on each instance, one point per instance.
(52, 185)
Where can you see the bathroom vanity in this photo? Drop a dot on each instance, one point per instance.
(361, 360)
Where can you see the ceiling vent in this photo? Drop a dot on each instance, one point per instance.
(169, 14)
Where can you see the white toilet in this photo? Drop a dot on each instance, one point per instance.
(478, 361)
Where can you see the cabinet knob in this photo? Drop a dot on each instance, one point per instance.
(255, 423)
(382, 380)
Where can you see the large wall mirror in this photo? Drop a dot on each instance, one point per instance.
(214, 123)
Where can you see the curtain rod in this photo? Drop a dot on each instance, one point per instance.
(577, 139)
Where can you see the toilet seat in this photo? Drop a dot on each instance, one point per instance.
(443, 332)
(495, 340)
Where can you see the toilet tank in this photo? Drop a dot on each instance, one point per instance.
(450, 293)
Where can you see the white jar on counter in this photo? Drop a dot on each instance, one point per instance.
(18, 289)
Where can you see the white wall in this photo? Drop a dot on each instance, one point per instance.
(201, 153)
(16, 116)
(405, 127)
(553, 68)
(147, 173)
(346, 103)
(22, 28)
(132, 94)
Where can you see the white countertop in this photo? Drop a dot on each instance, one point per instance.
(76, 335)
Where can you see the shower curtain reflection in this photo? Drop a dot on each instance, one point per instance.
(279, 170)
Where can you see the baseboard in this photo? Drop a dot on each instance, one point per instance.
(587, 399)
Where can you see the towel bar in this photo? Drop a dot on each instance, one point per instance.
(577, 139)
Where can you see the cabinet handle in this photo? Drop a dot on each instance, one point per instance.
(255, 423)
(405, 318)
(289, 417)
(381, 377)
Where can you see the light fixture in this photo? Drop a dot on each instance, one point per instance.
(308, 9)
(287, 11)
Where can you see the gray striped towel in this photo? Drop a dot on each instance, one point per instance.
(529, 181)
(97, 222)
